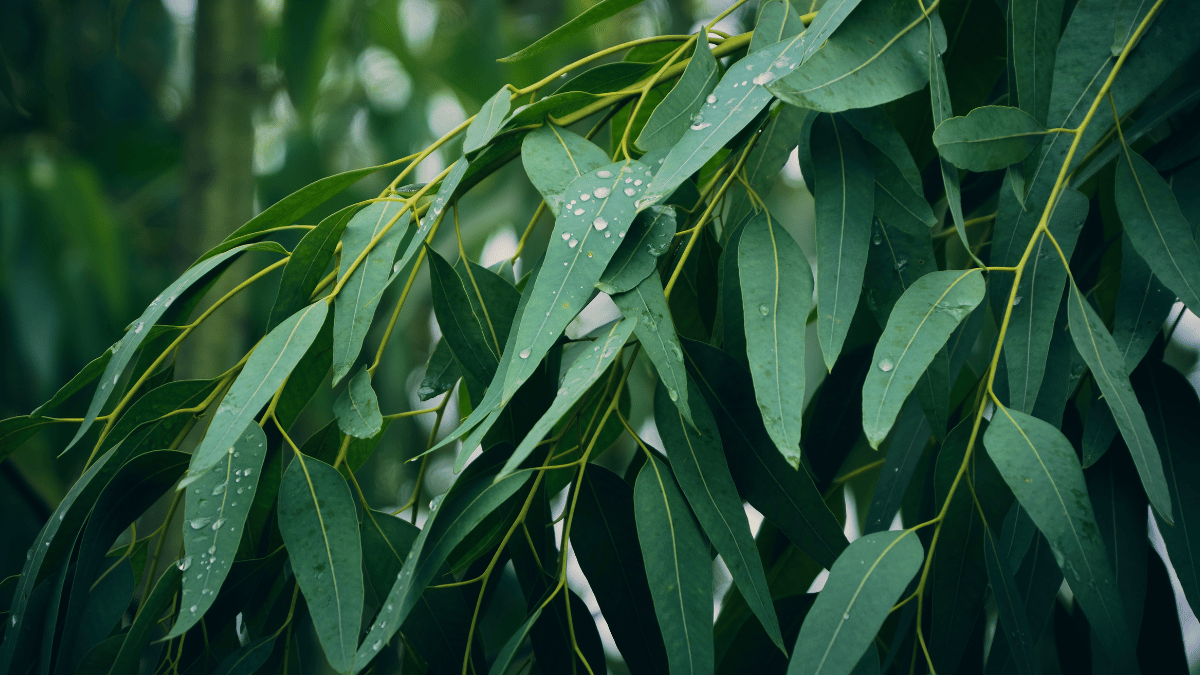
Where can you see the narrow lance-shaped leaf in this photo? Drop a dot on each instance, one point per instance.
(988, 138)
(1033, 29)
(776, 284)
(214, 517)
(441, 372)
(897, 203)
(656, 333)
(672, 117)
(488, 120)
(677, 568)
(1013, 617)
(736, 101)
(554, 157)
(319, 525)
(864, 584)
(878, 130)
(591, 16)
(156, 404)
(1100, 352)
(1157, 227)
(81, 379)
(467, 331)
(248, 659)
(146, 622)
(1041, 467)
(357, 408)
(918, 327)
(779, 137)
(508, 652)
(698, 462)
(903, 454)
(1143, 303)
(637, 257)
(844, 188)
(583, 373)
(265, 371)
(777, 20)
(354, 307)
(307, 265)
(879, 56)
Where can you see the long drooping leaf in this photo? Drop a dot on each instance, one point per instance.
(776, 284)
(673, 116)
(214, 515)
(354, 307)
(784, 495)
(903, 453)
(591, 16)
(319, 525)
(447, 525)
(1103, 358)
(553, 158)
(844, 193)
(637, 257)
(939, 97)
(586, 234)
(139, 330)
(777, 20)
(1033, 28)
(141, 631)
(897, 203)
(918, 327)
(988, 138)
(508, 653)
(677, 569)
(1040, 466)
(1143, 303)
(307, 265)
(441, 372)
(81, 379)
(587, 368)
(779, 137)
(699, 464)
(1013, 618)
(877, 129)
(248, 659)
(467, 332)
(863, 584)
(488, 120)
(1157, 227)
(656, 333)
(268, 366)
(738, 98)
(604, 540)
(879, 56)
(155, 404)
(357, 408)
(447, 192)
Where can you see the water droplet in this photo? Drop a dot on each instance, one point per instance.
(138, 328)
(900, 264)
(846, 616)
(200, 522)
(377, 645)
(217, 525)
(239, 490)
(14, 620)
(743, 83)
(781, 63)
(525, 353)
(220, 489)
(637, 182)
(599, 223)
(579, 212)
(764, 310)
(573, 243)
(712, 98)
(629, 192)
(877, 239)
(604, 174)
(763, 79)
(184, 563)
(673, 394)
(562, 391)
(247, 472)
(601, 192)
(584, 197)
(886, 365)
(193, 609)
(1017, 300)
(622, 234)
(700, 127)
(607, 235)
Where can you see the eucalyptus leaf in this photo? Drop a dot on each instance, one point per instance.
(777, 20)
(988, 138)
(637, 257)
(671, 118)
(591, 16)
(553, 158)
(487, 121)
(1013, 618)
(357, 408)
(1033, 30)
(441, 372)
(307, 266)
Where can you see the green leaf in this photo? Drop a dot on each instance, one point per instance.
(354, 306)
(448, 523)
(507, 653)
(307, 266)
(879, 56)
(1033, 28)
(656, 332)
(677, 567)
(583, 373)
(779, 137)
(586, 234)
(106, 603)
(672, 117)
(265, 371)
(604, 541)
(877, 129)
(310, 373)
(554, 158)
(777, 288)
(157, 404)
(1101, 354)
(84, 377)
(1038, 582)
(1173, 405)
(1153, 221)
(473, 336)
(1040, 466)
(441, 372)
(988, 138)
(123, 351)
(214, 517)
(248, 659)
(637, 257)
(864, 584)
(1013, 619)
(939, 95)
(146, 622)
(14, 431)
(844, 185)
(830, 16)
(917, 329)
(735, 102)
(777, 20)
(488, 120)
(904, 452)
(357, 408)
(896, 202)
(698, 462)
(591, 16)
(786, 496)
(319, 525)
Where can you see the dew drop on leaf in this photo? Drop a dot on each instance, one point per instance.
(525, 353)
(886, 365)
(604, 174)
(599, 223)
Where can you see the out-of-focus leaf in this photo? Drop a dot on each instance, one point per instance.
(1143, 303)
(553, 158)
(106, 603)
(488, 120)
(1013, 618)
(214, 515)
(636, 258)
(84, 377)
(844, 193)
(248, 659)
(268, 366)
(1033, 28)
(1040, 466)
(307, 266)
(319, 525)
(1038, 582)
(939, 97)
(879, 56)
(591, 16)
(777, 288)
(917, 329)
(1100, 352)
(910, 436)
(357, 408)
(672, 117)
(14, 431)
(441, 372)
(156, 404)
(988, 138)
(771, 151)
(777, 20)
(698, 462)
(863, 585)
(677, 568)
(142, 631)
(507, 653)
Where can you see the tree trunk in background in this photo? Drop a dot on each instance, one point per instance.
(218, 183)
